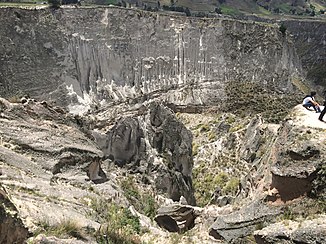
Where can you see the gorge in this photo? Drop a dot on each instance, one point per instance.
(131, 126)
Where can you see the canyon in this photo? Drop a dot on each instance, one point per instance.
(132, 126)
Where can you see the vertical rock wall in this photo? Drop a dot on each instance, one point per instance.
(310, 42)
(118, 54)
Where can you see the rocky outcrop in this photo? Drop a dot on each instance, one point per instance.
(298, 154)
(307, 231)
(153, 143)
(43, 131)
(232, 227)
(176, 218)
(100, 54)
(11, 227)
(48, 165)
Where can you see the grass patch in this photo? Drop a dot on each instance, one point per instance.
(143, 202)
(119, 226)
(64, 229)
(195, 148)
(229, 10)
(205, 183)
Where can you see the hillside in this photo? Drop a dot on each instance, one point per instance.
(240, 7)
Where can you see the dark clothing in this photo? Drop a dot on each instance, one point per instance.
(324, 110)
(322, 114)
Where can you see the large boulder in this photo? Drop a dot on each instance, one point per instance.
(176, 218)
(236, 225)
(308, 231)
(155, 143)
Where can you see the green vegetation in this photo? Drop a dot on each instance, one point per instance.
(287, 214)
(113, 2)
(228, 10)
(211, 136)
(195, 148)
(282, 29)
(54, 3)
(119, 226)
(204, 127)
(249, 98)
(205, 183)
(143, 202)
(231, 186)
(64, 229)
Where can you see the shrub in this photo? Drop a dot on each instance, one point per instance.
(282, 29)
(231, 186)
(54, 4)
(144, 203)
(64, 229)
(119, 225)
(205, 185)
(195, 148)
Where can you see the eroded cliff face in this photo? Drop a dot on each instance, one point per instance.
(310, 42)
(117, 54)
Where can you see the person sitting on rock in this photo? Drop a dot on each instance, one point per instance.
(309, 101)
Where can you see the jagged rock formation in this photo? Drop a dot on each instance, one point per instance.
(46, 158)
(99, 54)
(299, 153)
(12, 229)
(154, 143)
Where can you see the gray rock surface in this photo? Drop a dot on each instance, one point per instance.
(306, 231)
(310, 47)
(12, 229)
(176, 218)
(48, 165)
(154, 143)
(100, 54)
(232, 227)
(297, 157)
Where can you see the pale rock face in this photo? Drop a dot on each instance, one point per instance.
(45, 158)
(11, 227)
(307, 231)
(130, 55)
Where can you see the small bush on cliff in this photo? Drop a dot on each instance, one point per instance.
(118, 225)
(282, 29)
(64, 229)
(55, 4)
(143, 202)
(231, 186)
(205, 183)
